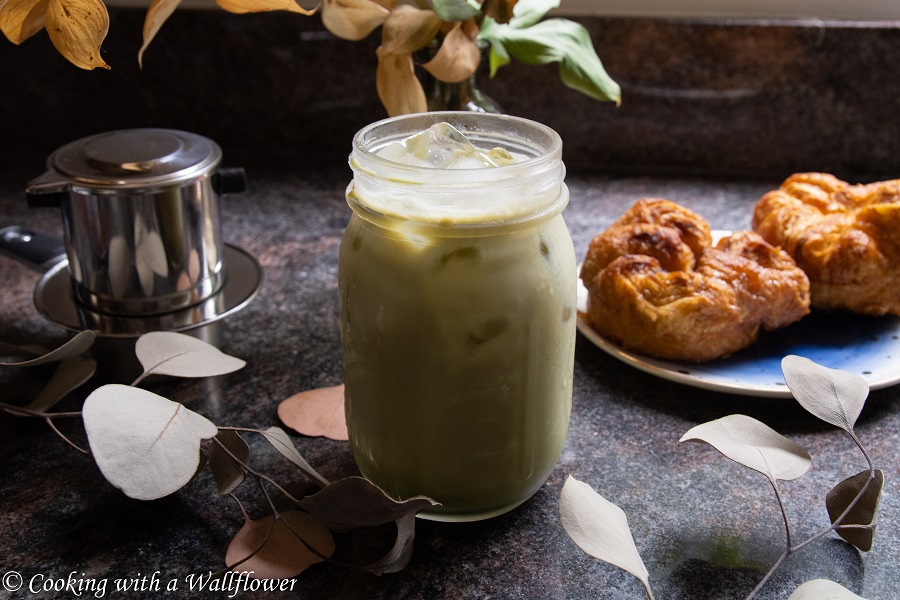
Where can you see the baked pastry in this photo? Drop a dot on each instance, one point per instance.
(845, 237)
(657, 286)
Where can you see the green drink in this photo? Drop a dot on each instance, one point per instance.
(457, 287)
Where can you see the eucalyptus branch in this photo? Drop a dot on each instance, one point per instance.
(257, 550)
(277, 515)
(837, 522)
(787, 552)
(862, 449)
(787, 524)
(253, 472)
(52, 425)
(47, 418)
(834, 396)
(294, 456)
(27, 412)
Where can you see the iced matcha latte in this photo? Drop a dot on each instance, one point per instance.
(457, 289)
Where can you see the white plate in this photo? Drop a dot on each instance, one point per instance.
(866, 346)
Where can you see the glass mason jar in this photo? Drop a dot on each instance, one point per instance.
(458, 293)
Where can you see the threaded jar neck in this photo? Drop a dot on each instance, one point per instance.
(390, 191)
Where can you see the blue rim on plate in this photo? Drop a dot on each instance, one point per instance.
(866, 346)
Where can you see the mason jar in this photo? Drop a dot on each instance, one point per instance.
(457, 295)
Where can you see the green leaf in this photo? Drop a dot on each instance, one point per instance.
(837, 397)
(528, 12)
(498, 57)
(823, 589)
(753, 444)
(557, 40)
(861, 518)
(600, 528)
(456, 10)
(145, 445)
(227, 473)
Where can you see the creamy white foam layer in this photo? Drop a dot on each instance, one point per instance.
(440, 176)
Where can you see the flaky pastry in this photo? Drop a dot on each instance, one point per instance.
(657, 286)
(845, 237)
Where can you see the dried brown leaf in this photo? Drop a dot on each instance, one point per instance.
(408, 29)
(456, 59)
(283, 554)
(157, 14)
(21, 19)
(241, 7)
(352, 19)
(499, 10)
(357, 502)
(858, 527)
(398, 87)
(318, 412)
(77, 28)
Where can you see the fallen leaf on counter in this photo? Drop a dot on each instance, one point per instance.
(145, 445)
(823, 589)
(279, 551)
(318, 412)
(600, 528)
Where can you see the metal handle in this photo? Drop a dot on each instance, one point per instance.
(231, 180)
(37, 250)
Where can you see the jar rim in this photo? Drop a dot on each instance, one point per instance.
(465, 196)
(471, 124)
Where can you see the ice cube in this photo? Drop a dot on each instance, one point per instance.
(442, 146)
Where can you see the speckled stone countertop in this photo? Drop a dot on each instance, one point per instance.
(705, 527)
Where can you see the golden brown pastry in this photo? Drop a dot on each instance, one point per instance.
(845, 237)
(656, 286)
